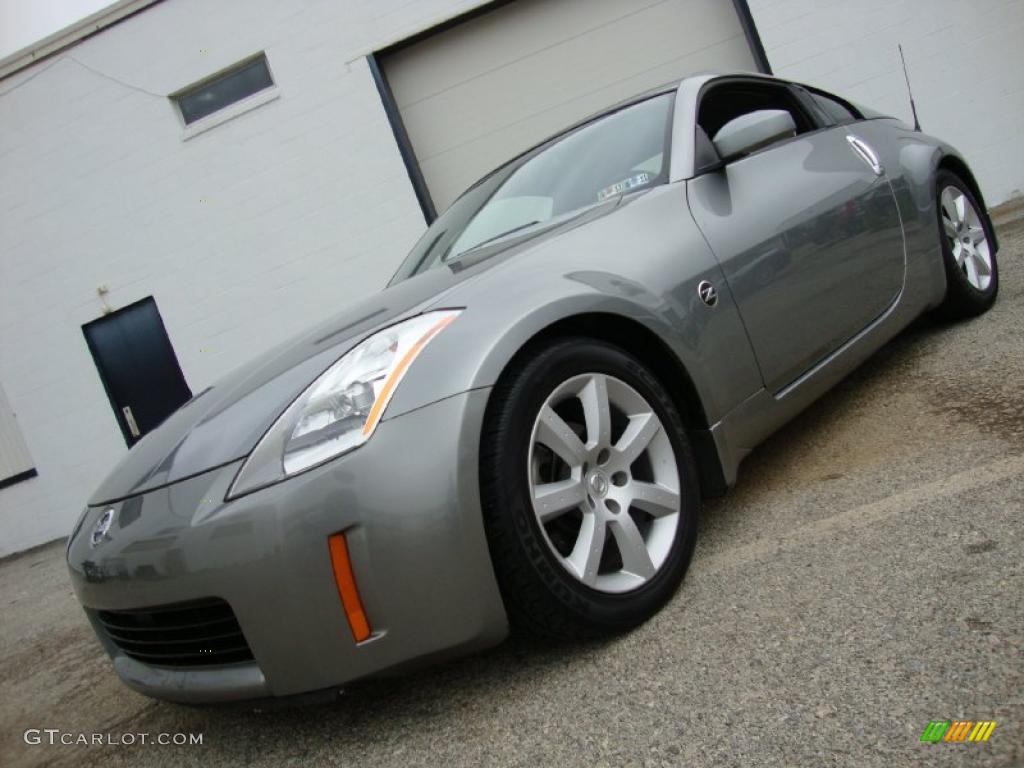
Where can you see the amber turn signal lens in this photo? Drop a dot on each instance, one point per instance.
(347, 590)
(396, 375)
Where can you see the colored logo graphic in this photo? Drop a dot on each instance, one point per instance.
(958, 730)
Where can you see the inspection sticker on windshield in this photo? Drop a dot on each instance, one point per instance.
(623, 186)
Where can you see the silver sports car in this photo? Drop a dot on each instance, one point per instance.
(519, 430)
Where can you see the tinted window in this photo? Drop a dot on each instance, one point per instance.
(723, 103)
(223, 90)
(834, 108)
(625, 151)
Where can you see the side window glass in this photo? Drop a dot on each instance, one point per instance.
(754, 116)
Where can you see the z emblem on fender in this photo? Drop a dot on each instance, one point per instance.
(707, 293)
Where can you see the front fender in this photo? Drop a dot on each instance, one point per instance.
(642, 264)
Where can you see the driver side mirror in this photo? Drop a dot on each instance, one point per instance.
(752, 131)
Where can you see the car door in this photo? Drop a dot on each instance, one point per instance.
(806, 230)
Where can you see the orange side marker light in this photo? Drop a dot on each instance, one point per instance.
(347, 590)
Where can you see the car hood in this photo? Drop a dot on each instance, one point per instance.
(224, 422)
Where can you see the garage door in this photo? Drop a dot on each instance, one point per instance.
(481, 91)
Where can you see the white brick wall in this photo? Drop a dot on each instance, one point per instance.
(965, 59)
(311, 208)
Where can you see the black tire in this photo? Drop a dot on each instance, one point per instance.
(542, 598)
(962, 299)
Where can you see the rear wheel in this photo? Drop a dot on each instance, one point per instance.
(589, 489)
(972, 274)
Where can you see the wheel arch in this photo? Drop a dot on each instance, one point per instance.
(948, 161)
(649, 348)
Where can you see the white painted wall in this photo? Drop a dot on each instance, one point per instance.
(965, 59)
(310, 208)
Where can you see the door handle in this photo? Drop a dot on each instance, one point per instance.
(866, 153)
(130, 418)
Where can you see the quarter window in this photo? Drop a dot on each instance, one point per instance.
(835, 109)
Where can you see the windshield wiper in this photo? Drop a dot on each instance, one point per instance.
(498, 236)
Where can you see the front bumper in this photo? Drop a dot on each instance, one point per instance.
(408, 502)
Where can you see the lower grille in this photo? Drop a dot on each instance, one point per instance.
(194, 634)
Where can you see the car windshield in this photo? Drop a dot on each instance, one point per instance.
(621, 152)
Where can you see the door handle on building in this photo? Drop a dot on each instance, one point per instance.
(130, 418)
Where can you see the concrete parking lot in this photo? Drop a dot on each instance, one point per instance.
(864, 578)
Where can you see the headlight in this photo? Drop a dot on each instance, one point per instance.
(341, 409)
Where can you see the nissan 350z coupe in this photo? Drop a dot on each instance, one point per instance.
(519, 430)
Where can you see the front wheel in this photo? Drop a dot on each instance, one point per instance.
(589, 491)
(972, 274)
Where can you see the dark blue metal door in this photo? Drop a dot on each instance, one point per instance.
(137, 366)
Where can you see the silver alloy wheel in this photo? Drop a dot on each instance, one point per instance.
(620, 476)
(962, 226)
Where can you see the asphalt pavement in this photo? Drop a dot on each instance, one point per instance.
(863, 579)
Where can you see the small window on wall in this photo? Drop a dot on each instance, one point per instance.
(220, 91)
